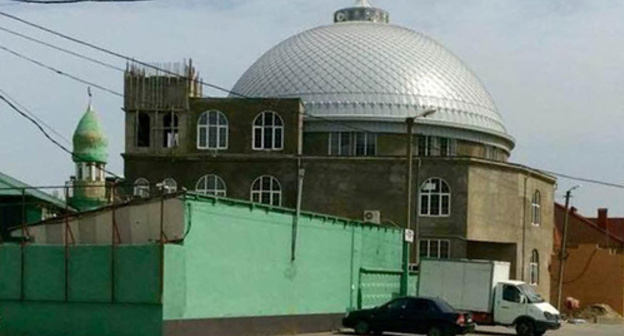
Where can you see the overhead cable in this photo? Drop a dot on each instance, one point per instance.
(46, 134)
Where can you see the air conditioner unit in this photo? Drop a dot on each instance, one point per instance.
(372, 216)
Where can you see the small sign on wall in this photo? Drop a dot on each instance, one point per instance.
(409, 235)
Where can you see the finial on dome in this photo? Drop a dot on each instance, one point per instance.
(89, 106)
(362, 11)
(362, 3)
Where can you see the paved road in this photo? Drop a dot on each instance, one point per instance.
(566, 330)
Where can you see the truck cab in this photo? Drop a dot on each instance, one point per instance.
(517, 304)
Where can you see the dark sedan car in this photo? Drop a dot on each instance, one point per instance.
(430, 316)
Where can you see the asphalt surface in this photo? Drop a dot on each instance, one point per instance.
(566, 330)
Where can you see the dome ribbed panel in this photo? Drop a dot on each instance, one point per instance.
(372, 71)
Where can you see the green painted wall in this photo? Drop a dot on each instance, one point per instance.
(79, 319)
(236, 261)
(93, 303)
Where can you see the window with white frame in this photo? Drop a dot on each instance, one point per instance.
(436, 146)
(536, 209)
(212, 130)
(534, 268)
(266, 189)
(211, 185)
(141, 188)
(435, 198)
(268, 131)
(435, 248)
(169, 185)
(352, 144)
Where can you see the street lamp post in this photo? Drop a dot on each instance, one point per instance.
(408, 206)
(562, 249)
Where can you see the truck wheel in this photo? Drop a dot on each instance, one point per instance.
(362, 328)
(525, 328)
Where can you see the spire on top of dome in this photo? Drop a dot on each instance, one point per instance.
(362, 3)
(362, 11)
(89, 140)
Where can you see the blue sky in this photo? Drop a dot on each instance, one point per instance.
(553, 68)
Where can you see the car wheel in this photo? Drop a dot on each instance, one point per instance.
(525, 328)
(362, 328)
(435, 331)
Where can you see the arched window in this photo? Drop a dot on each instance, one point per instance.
(211, 185)
(534, 268)
(169, 185)
(141, 188)
(170, 130)
(143, 130)
(266, 190)
(268, 131)
(212, 130)
(435, 198)
(536, 209)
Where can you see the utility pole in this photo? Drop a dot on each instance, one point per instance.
(562, 250)
(408, 206)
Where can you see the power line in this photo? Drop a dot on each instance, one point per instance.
(63, 2)
(27, 111)
(67, 51)
(113, 53)
(46, 134)
(587, 180)
(145, 64)
(59, 71)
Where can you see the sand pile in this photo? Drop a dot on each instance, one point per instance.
(599, 312)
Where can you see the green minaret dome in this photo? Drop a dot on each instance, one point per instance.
(90, 143)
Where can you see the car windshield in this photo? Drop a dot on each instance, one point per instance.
(530, 294)
(444, 306)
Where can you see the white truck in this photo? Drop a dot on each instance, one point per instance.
(484, 289)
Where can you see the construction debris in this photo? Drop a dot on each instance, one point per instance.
(599, 313)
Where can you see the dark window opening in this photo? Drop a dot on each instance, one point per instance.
(143, 130)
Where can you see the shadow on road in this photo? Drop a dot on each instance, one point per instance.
(493, 333)
(478, 332)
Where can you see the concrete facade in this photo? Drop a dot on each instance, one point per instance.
(490, 199)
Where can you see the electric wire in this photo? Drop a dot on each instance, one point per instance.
(60, 72)
(217, 87)
(67, 51)
(46, 134)
(64, 2)
(114, 53)
(29, 112)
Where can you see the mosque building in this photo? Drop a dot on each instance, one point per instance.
(321, 119)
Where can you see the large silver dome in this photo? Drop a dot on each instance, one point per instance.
(371, 71)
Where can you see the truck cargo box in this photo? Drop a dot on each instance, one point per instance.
(465, 284)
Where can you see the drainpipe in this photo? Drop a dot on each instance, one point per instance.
(524, 208)
(301, 174)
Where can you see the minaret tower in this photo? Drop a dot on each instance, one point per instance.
(90, 155)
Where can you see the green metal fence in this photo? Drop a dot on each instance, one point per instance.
(378, 286)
